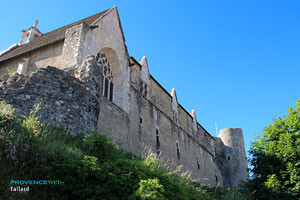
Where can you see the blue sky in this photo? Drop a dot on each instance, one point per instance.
(235, 62)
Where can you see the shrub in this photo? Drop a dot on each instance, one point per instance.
(90, 166)
(150, 189)
(11, 72)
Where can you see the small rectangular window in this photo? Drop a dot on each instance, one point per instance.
(141, 120)
(198, 163)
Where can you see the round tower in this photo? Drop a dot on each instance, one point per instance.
(235, 155)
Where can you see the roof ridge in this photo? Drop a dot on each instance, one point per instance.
(47, 38)
(79, 21)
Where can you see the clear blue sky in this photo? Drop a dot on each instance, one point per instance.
(235, 62)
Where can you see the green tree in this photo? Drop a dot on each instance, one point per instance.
(276, 158)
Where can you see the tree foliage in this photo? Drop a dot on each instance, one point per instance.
(276, 158)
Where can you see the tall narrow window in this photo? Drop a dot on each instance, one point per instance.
(177, 150)
(198, 163)
(157, 140)
(105, 88)
(143, 88)
(108, 85)
(175, 117)
(111, 90)
(141, 120)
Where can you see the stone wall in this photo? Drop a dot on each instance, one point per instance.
(73, 100)
(146, 118)
(9, 65)
(160, 98)
(106, 38)
(115, 122)
(73, 42)
(50, 55)
(155, 110)
(231, 156)
(64, 99)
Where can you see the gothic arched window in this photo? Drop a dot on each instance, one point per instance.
(108, 84)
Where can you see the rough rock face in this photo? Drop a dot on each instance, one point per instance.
(90, 73)
(65, 100)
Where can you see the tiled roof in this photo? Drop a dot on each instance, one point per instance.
(46, 39)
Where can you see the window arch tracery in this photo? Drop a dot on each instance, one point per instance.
(108, 82)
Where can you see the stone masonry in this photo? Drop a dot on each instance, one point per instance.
(94, 83)
(65, 100)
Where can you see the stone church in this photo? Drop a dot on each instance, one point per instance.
(84, 78)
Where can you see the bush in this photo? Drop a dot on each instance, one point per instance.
(89, 167)
(150, 189)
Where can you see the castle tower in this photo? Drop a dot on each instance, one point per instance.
(235, 161)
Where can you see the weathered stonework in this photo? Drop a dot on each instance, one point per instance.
(50, 55)
(72, 45)
(231, 155)
(65, 100)
(96, 84)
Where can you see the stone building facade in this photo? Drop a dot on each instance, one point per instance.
(94, 83)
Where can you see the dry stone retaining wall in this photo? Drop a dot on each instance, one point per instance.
(65, 100)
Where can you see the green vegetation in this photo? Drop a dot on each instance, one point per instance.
(11, 72)
(276, 159)
(89, 166)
